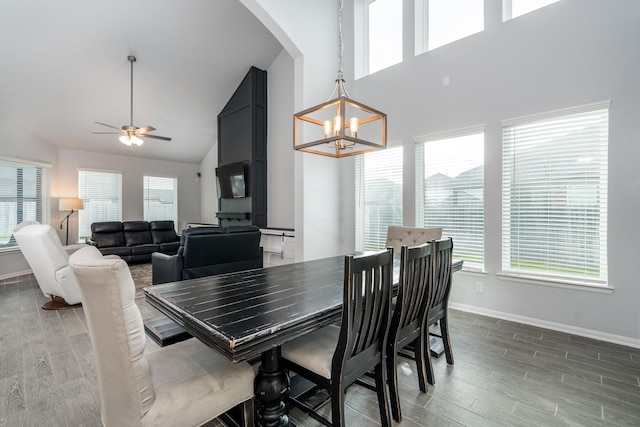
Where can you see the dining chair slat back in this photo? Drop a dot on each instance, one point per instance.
(408, 318)
(439, 299)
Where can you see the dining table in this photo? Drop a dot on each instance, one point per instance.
(249, 314)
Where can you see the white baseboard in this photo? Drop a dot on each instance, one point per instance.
(14, 274)
(602, 336)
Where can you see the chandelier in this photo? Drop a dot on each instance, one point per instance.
(340, 127)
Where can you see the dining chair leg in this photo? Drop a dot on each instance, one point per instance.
(419, 348)
(248, 413)
(381, 390)
(446, 341)
(392, 374)
(337, 405)
(427, 360)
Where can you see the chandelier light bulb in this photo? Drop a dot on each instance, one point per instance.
(337, 125)
(328, 128)
(353, 126)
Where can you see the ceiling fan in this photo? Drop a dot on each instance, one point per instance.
(132, 134)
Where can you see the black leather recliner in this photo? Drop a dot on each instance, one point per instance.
(207, 251)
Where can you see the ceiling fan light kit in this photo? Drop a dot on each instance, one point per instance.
(132, 134)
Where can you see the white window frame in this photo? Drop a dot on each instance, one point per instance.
(421, 147)
(361, 39)
(174, 195)
(84, 223)
(421, 28)
(507, 8)
(553, 124)
(42, 213)
(360, 191)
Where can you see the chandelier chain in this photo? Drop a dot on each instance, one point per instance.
(340, 44)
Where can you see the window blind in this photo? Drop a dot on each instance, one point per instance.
(554, 207)
(24, 196)
(378, 197)
(450, 191)
(102, 196)
(160, 199)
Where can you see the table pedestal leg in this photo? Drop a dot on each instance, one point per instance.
(271, 389)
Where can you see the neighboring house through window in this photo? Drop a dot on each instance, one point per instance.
(450, 190)
(24, 196)
(102, 195)
(554, 196)
(378, 197)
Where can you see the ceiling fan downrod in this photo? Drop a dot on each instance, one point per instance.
(131, 59)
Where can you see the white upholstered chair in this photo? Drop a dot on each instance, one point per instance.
(397, 237)
(49, 262)
(185, 384)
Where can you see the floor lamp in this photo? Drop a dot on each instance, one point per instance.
(70, 205)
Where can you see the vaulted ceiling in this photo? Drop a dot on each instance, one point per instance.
(64, 67)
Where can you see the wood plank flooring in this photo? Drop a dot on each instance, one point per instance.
(505, 374)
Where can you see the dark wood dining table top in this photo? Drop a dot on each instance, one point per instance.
(245, 313)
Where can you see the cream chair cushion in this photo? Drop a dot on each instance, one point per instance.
(184, 384)
(409, 236)
(48, 260)
(314, 351)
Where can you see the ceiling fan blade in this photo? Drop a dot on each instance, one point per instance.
(145, 129)
(109, 126)
(164, 138)
(106, 133)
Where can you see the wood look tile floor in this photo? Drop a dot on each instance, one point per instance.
(505, 374)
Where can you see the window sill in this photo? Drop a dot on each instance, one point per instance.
(575, 285)
(9, 250)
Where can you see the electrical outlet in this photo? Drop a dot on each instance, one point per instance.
(479, 287)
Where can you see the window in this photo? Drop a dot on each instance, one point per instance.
(24, 196)
(554, 206)
(378, 41)
(450, 191)
(102, 195)
(160, 199)
(514, 8)
(378, 197)
(440, 22)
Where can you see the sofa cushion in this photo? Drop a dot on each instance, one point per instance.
(121, 251)
(144, 249)
(136, 233)
(163, 232)
(107, 234)
(169, 247)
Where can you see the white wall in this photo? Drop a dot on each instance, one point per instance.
(280, 156)
(571, 53)
(208, 188)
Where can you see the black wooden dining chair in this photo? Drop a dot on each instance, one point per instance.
(408, 319)
(439, 300)
(335, 357)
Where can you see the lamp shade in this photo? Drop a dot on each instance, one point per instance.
(70, 204)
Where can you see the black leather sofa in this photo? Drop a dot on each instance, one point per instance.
(134, 241)
(206, 251)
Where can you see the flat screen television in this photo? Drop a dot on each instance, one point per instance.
(231, 180)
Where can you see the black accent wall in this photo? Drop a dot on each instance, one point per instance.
(242, 136)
